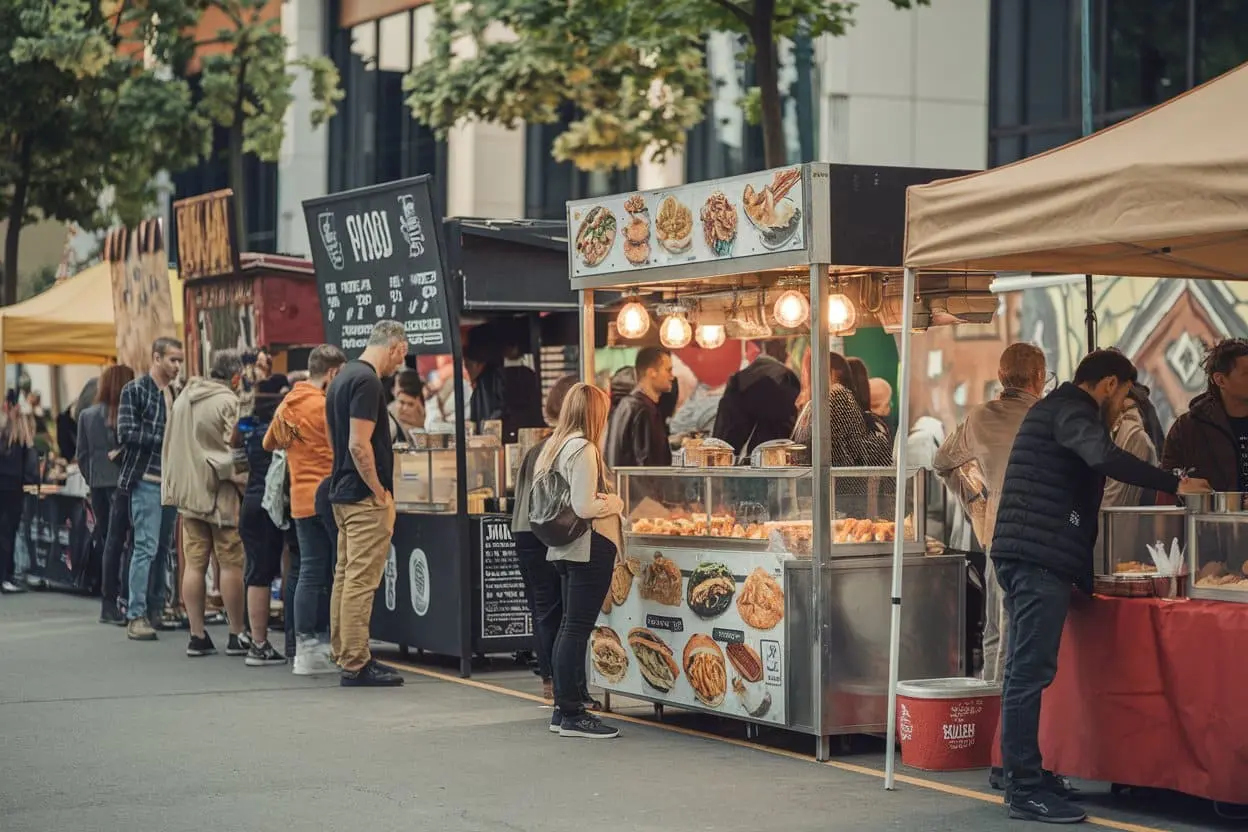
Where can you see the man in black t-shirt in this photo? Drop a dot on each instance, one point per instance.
(361, 491)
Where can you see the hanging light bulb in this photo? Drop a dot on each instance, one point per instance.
(633, 321)
(710, 336)
(675, 332)
(791, 309)
(842, 316)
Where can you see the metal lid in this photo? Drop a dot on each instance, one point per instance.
(954, 688)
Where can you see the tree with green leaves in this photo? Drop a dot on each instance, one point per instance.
(80, 113)
(244, 77)
(630, 72)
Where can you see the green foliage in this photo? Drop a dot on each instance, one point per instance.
(631, 71)
(35, 283)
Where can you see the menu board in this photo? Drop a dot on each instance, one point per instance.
(696, 629)
(504, 607)
(703, 222)
(376, 255)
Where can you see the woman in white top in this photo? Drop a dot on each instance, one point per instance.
(585, 564)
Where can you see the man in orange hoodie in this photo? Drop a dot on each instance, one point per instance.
(299, 428)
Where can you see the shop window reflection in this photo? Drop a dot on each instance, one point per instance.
(1221, 37)
(1146, 52)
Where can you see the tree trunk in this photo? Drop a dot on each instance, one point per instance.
(13, 234)
(236, 160)
(767, 76)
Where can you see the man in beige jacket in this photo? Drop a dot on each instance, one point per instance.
(985, 440)
(200, 482)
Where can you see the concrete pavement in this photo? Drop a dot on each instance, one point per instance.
(102, 734)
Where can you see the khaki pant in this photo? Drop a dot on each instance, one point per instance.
(364, 531)
(201, 539)
(995, 626)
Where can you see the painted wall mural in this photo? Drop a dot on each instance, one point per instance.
(1161, 325)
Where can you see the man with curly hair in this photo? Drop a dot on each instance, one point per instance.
(1210, 441)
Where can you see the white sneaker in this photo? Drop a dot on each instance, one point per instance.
(312, 658)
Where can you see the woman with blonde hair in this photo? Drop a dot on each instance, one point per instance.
(574, 451)
(18, 468)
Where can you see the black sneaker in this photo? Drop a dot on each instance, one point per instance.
(556, 721)
(111, 615)
(1044, 806)
(1055, 783)
(371, 675)
(238, 645)
(588, 726)
(201, 646)
(159, 624)
(264, 655)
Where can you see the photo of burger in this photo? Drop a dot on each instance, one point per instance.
(711, 587)
(660, 582)
(608, 655)
(705, 670)
(654, 659)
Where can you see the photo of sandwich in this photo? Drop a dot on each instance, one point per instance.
(660, 582)
(711, 587)
(607, 655)
(654, 659)
(746, 661)
(622, 579)
(705, 670)
(761, 601)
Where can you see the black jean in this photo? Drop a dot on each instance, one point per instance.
(101, 510)
(1036, 602)
(11, 503)
(584, 587)
(543, 589)
(115, 574)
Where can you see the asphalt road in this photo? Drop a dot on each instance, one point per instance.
(102, 734)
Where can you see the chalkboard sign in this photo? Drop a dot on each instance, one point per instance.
(504, 607)
(376, 255)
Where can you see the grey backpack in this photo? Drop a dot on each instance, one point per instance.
(551, 517)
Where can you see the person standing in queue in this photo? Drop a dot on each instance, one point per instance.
(1043, 544)
(361, 492)
(97, 457)
(542, 588)
(1210, 440)
(636, 430)
(299, 427)
(19, 467)
(201, 483)
(575, 451)
(760, 401)
(141, 416)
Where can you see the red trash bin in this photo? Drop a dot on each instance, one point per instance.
(947, 724)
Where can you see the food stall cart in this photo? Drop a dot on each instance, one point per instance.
(760, 592)
(452, 585)
(236, 299)
(1145, 694)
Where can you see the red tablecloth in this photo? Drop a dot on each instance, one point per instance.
(1152, 693)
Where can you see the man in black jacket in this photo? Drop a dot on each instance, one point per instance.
(760, 401)
(637, 432)
(1045, 533)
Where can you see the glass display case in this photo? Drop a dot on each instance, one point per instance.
(766, 509)
(424, 480)
(1127, 532)
(1217, 553)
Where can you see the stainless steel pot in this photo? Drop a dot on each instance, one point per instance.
(779, 453)
(705, 457)
(1219, 502)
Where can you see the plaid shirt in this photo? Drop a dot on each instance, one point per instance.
(140, 431)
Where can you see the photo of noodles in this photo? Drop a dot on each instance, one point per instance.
(719, 224)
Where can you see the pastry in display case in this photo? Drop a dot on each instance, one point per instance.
(1128, 531)
(864, 510)
(1217, 544)
(424, 480)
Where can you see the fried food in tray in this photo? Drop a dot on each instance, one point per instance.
(761, 600)
(660, 582)
(853, 530)
(608, 656)
(705, 669)
(1215, 575)
(719, 224)
(1134, 567)
(698, 525)
(654, 659)
(711, 587)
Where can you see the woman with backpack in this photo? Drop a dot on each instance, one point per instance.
(574, 510)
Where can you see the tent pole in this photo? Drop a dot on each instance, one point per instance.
(1085, 56)
(899, 539)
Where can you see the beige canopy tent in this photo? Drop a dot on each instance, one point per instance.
(1164, 194)
(71, 323)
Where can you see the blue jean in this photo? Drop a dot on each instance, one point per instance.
(153, 537)
(1036, 602)
(315, 576)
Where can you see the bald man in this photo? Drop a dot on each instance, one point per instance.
(881, 398)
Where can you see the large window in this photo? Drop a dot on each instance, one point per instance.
(1143, 53)
(374, 138)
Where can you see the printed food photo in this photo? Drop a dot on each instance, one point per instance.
(674, 225)
(595, 236)
(761, 601)
(719, 224)
(711, 587)
(637, 232)
(608, 656)
(654, 659)
(705, 670)
(660, 581)
(771, 211)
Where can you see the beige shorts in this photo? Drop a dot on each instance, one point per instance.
(201, 539)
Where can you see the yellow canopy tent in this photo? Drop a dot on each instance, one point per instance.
(71, 323)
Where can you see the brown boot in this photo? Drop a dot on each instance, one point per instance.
(140, 629)
(548, 691)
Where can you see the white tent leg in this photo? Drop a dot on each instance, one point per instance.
(903, 429)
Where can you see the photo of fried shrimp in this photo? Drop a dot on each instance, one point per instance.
(674, 225)
(719, 224)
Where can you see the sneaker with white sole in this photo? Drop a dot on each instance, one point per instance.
(587, 726)
(1044, 806)
(238, 645)
(556, 721)
(312, 658)
(264, 655)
